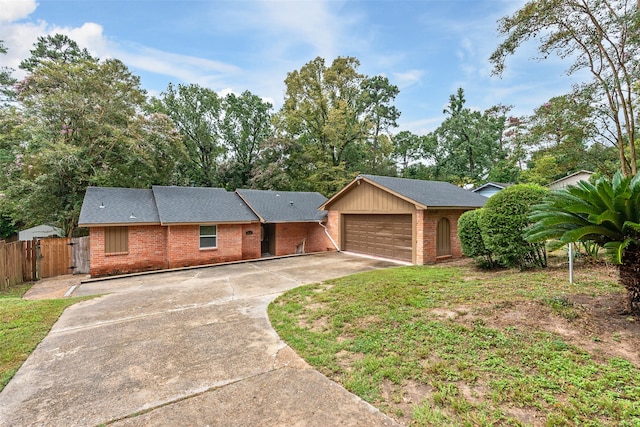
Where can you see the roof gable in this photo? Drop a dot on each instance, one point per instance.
(497, 185)
(424, 194)
(199, 205)
(284, 206)
(113, 206)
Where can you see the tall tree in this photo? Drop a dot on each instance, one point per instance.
(340, 116)
(83, 127)
(378, 95)
(407, 147)
(6, 80)
(56, 48)
(198, 115)
(602, 37)
(466, 146)
(245, 128)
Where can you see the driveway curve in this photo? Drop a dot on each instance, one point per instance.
(193, 347)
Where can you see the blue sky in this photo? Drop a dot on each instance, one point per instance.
(428, 48)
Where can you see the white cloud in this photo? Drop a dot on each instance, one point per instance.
(12, 10)
(407, 78)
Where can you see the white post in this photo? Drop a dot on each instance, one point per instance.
(571, 263)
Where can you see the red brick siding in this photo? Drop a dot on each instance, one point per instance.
(147, 251)
(429, 226)
(419, 255)
(318, 240)
(291, 234)
(183, 245)
(251, 241)
(333, 226)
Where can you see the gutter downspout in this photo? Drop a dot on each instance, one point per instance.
(329, 236)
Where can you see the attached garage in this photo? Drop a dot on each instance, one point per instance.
(384, 235)
(403, 219)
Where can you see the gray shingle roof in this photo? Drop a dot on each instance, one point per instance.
(118, 206)
(430, 193)
(183, 205)
(285, 206)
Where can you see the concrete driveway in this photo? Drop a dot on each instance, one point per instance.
(188, 348)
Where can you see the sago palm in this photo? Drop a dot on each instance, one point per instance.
(607, 213)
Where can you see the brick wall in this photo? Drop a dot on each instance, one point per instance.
(147, 251)
(291, 234)
(333, 226)
(160, 247)
(183, 245)
(318, 240)
(251, 234)
(420, 239)
(429, 232)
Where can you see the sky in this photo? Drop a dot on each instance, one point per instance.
(428, 48)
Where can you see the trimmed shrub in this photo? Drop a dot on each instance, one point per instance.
(503, 222)
(471, 239)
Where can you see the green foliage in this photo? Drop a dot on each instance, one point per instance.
(471, 238)
(197, 114)
(503, 223)
(600, 36)
(57, 49)
(467, 145)
(606, 213)
(79, 124)
(332, 126)
(23, 325)
(6, 80)
(246, 128)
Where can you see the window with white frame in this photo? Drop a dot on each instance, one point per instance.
(208, 236)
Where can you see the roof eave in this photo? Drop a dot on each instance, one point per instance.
(167, 223)
(114, 224)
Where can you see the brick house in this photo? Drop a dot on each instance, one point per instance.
(290, 221)
(405, 219)
(134, 230)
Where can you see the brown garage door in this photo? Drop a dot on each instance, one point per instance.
(387, 236)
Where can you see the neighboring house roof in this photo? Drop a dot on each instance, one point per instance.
(43, 230)
(490, 188)
(426, 194)
(284, 206)
(571, 179)
(118, 206)
(185, 205)
(498, 185)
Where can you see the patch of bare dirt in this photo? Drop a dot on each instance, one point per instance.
(598, 327)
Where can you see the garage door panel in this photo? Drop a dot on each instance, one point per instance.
(384, 235)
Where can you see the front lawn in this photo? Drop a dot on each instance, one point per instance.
(23, 324)
(459, 346)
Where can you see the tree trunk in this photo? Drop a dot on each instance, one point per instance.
(630, 277)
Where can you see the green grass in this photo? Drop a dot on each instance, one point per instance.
(23, 324)
(382, 332)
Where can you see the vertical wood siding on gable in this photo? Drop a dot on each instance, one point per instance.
(366, 198)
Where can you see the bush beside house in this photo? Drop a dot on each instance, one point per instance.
(494, 235)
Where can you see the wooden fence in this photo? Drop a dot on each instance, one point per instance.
(55, 257)
(10, 264)
(80, 255)
(33, 260)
